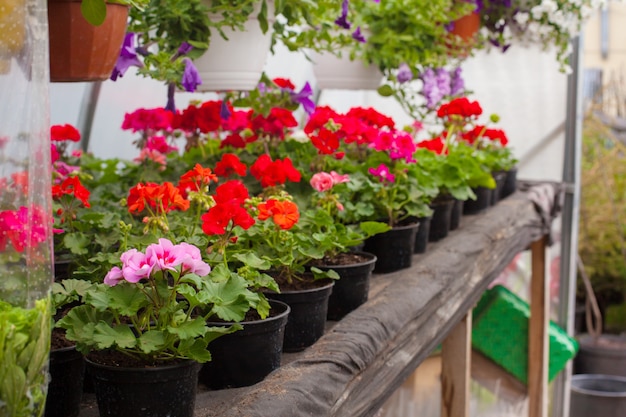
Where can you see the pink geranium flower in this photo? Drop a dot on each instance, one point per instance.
(135, 266)
(164, 255)
(322, 181)
(192, 260)
(382, 173)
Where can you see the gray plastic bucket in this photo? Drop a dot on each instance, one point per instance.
(598, 395)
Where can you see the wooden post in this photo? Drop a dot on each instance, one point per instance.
(538, 342)
(455, 369)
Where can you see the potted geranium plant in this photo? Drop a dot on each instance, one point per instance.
(148, 318)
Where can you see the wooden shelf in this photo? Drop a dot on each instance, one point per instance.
(362, 359)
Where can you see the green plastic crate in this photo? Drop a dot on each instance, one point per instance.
(500, 332)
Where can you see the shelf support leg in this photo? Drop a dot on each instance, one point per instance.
(455, 369)
(538, 342)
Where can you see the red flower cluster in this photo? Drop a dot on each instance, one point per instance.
(71, 186)
(162, 198)
(276, 124)
(436, 145)
(229, 210)
(480, 131)
(60, 133)
(230, 164)
(196, 178)
(327, 129)
(205, 118)
(460, 107)
(271, 173)
(284, 213)
(144, 120)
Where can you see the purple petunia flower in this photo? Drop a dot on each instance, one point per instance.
(404, 73)
(343, 19)
(191, 78)
(184, 48)
(357, 36)
(443, 81)
(304, 98)
(225, 112)
(457, 84)
(127, 58)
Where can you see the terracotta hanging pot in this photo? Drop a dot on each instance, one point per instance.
(80, 51)
(465, 33)
(467, 27)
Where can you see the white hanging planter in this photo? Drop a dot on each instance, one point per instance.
(236, 63)
(334, 73)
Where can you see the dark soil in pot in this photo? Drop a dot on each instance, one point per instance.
(66, 368)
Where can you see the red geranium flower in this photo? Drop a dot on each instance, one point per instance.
(435, 145)
(230, 164)
(275, 124)
(284, 213)
(162, 198)
(64, 132)
(284, 83)
(219, 217)
(72, 186)
(271, 173)
(460, 107)
(196, 178)
(232, 191)
(148, 119)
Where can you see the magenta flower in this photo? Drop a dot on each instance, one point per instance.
(382, 173)
(159, 143)
(114, 276)
(164, 255)
(135, 266)
(192, 260)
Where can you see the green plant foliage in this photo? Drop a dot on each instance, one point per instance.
(602, 227)
(24, 348)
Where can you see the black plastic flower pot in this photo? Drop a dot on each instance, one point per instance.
(352, 288)
(421, 237)
(247, 356)
(65, 390)
(307, 320)
(500, 178)
(163, 391)
(456, 213)
(482, 202)
(393, 248)
(598, 395)
(510, 183)
(440, 222)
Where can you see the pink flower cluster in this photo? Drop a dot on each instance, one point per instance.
(397, 143)
(162, 256)
(23, 228)
(324, 181)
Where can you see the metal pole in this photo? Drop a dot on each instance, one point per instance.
(87, 111)
(569, 220)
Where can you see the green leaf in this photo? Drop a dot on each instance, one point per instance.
(373, 228)
(229, 300)
(189, 329)
(151, 341)
(77, 243)
(385, 90)
(120, 335)
(252, 260)
(94, 11)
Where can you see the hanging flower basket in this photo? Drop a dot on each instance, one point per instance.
(236, 63)
(80, 51)
(340, 73)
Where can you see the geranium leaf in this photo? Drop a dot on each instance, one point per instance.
(106, 336)
(77, 243)
(151, 341)
(252, 260)
(229, 301)
(189, 329)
